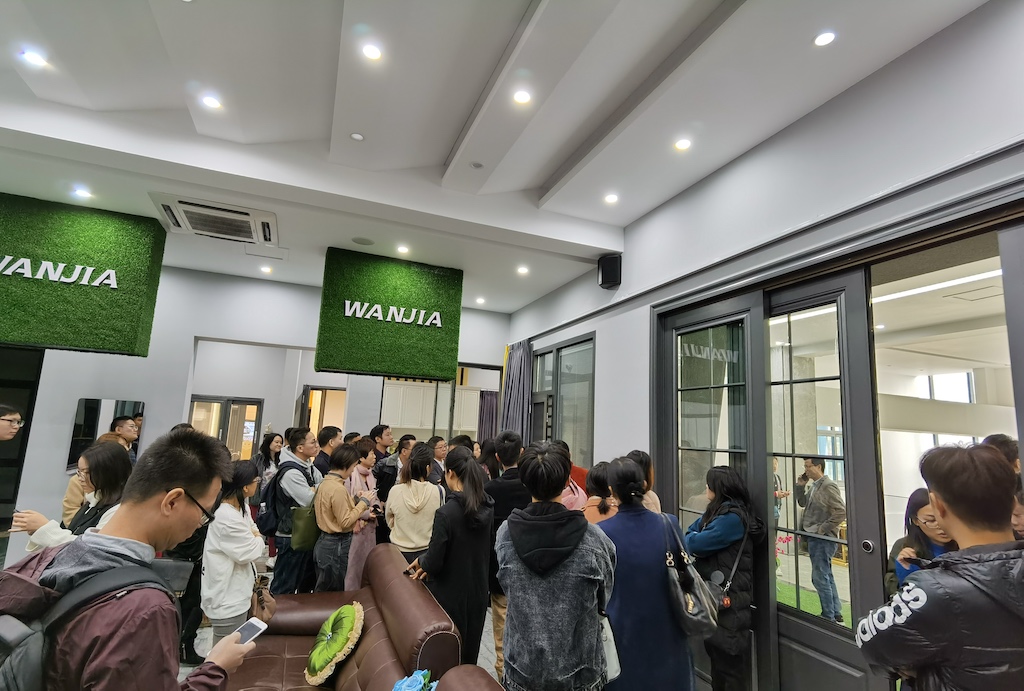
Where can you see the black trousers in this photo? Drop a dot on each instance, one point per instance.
(191, 614)
(729, 672)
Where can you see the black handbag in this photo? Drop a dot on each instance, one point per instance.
(694, 606)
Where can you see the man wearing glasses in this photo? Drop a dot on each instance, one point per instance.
(133, 635)
(10, 422)
(296, 482)
(125, 427)
(824, 510)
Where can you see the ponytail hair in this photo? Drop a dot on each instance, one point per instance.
(597, 486)
(461, 462)
(627, 481)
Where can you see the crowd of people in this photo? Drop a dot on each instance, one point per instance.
(551, 548)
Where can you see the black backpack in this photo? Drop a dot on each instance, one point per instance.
(266, 517)
(24, 645)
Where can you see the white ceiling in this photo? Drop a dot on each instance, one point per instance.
(614, 84)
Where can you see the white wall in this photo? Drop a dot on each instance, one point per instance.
(196, 308)
(912, 119)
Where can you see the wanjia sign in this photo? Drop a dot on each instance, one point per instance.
(77, 278)
(387, 316)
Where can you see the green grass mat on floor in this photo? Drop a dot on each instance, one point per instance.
(786, 595)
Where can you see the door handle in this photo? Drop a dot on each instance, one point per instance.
(868, 546)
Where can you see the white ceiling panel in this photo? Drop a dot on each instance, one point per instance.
(271, 64)
(490, 268)
(757, 74)
(634, 40)
(411, 104)
(103, 56)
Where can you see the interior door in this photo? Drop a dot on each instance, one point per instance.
(235, 421)
(821, 415)
(709, 373)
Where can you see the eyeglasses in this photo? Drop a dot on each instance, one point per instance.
(15, 423)
(928, 523)
(207, 516)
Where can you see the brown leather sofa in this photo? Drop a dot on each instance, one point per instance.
(466, 677)
(404, 629)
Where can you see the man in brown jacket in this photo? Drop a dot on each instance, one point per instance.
(129, 640)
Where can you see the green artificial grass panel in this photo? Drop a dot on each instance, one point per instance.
(378, 346)
(51, 314)
(785, 594)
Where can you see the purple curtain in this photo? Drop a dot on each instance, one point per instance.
(517, 389)
(487, 422)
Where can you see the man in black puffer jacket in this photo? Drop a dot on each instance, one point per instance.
(958, 623)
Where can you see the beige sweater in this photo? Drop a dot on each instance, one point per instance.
(336, 511)
(409, 513)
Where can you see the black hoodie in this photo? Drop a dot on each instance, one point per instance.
(958, 623)
(545, 534)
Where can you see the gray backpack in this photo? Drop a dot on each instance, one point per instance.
(24, 646)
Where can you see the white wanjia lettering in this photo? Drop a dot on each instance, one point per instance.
(74, 276)
(51, 272)
(375, 313)
(88, 275)
(22, 266)
(357, 309)
(107, 278)
(435, 319)
(395, 314)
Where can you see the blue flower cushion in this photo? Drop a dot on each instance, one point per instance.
(337, 639)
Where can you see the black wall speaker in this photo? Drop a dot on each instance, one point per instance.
(609, 271)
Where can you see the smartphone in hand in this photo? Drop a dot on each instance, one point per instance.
(251, 629)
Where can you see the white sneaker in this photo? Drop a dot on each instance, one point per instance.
(270, 563)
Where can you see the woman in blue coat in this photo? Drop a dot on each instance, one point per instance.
(653, 651)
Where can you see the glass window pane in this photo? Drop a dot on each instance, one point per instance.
(942, 359)
(815, 405)
(727, 364)
(694, 358)
(814, 342)
(695, 418)
(779, 348)
(806, 573)
(206, 417)
(575, 408)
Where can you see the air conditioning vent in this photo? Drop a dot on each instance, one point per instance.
(215, 220)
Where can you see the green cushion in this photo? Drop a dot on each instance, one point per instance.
(337, 638)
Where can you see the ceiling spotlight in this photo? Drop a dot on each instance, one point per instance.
(211, 102)
(683, 144)
(403, 249)
(476, 164)
(34, 59)
(611, 198)
(82, 193)
(480, 301)
(521, 97)
(371, 51)
(523, 270)
(879, 326)
(824, 39)
(357, 137)
(264, 269)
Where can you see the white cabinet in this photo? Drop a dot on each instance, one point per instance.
(411, 406)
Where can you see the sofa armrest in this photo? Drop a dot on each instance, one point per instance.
(303, 615)
(468, 678)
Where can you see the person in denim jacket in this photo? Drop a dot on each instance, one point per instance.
(552, 565)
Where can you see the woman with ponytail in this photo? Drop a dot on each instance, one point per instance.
(456, 562)
(653, 650)
(600, 505)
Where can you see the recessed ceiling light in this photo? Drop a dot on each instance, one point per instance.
(211, 102)
(403, 249)
(683, 144)
(523, 269)
(371, 51)
(611, 198)
(365, 242)
(34, 58)
(879, 326)
(264, 269)
(82, 193)
(521, 97)
(356, 136)
(476, 164)
(824, 39)
(480, 301)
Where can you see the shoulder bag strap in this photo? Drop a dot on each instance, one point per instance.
(101, 584)
(739, 555)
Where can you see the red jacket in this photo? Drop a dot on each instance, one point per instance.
(115, 643)
(579, 476)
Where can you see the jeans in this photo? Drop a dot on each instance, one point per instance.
(330, 557)
(821, 553)
(291, 572)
